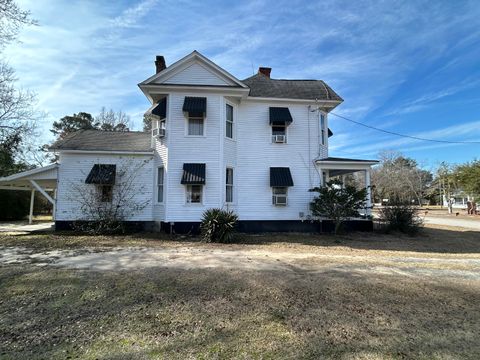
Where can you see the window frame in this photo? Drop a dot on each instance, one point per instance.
(285, 127)
(229, 186)
(105, 197)
(274, 193)
(189, 191)
(323, 123)
(158, 185)
(231, 122)
(187, 130)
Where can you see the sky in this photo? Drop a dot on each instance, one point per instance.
(411, 67)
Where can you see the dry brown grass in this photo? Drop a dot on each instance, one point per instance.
(166, 313)
(172, 314)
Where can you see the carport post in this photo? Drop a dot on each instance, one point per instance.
(369, 192)
(32, 200)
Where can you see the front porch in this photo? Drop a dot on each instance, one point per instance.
(334, 167)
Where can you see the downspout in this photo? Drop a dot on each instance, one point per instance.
(309, 148)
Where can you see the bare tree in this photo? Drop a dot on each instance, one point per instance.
(113, 121)
(105, 208)
(18, 115)
(448, 181)
(400, 179)
(12, 18)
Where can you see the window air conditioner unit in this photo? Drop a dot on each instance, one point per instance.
(279, 138)
(158, 132)
(280, 200)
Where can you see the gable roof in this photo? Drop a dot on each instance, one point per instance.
(186, 62)
(263, 86)
(97, 140)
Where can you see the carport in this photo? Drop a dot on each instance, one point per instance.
(41, 179)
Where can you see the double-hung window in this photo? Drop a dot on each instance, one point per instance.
(194, 194)
(322, 126)
(196, 125)
(160, 181)
(229, 185)
(229, 121)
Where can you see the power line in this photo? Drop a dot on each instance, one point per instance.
(403, 135)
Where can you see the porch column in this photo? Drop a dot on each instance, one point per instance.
(32, 200)
(369, 192)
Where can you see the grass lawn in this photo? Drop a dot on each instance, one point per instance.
(166, 313)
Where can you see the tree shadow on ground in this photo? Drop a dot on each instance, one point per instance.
(429, 240)
(178, 314)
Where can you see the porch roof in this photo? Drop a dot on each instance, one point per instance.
(341, 166)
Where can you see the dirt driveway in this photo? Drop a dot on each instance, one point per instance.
(257, 259)
(276, 296)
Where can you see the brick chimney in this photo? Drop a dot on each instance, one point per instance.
(265, 71)
(160, 63)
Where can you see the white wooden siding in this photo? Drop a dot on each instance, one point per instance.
(251, 154)
(256, 154)
(196, 74)
(74, 168)
(187, 149)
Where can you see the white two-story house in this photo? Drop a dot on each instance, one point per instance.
(254, 146)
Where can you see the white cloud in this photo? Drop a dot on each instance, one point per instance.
(89, 54)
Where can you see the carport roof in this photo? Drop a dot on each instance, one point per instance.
(46, 176)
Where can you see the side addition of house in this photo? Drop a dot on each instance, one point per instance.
(254, 146)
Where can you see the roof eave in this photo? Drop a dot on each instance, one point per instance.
(327, 103)
(99, 151)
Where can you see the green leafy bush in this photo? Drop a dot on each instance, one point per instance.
(218, 225)
(401, 217)
(338, 202)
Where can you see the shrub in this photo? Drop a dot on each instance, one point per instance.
(401, 217)
(218, 225)
(337, 202)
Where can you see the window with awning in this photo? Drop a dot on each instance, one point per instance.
(280, 116)
(102, 174)
(159, 109)
(195, 106)
(280, 177)
(193, 174)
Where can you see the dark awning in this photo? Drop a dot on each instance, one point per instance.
(330, 133)
(195, 106)
(102, 174)
(159, 109)
(280, 176)
(193, 174)
(280, 116)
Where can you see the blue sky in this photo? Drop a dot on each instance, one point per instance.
(406, 66)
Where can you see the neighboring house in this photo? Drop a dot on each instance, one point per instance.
(459, 200)
(255, 146)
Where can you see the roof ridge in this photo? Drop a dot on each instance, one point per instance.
(117, 132)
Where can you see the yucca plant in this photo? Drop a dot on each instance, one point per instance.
(218, 225)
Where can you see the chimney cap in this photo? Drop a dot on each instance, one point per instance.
(265, 71)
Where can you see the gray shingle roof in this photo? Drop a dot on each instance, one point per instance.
(263, 86)
(337, 159)
(96, 140)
